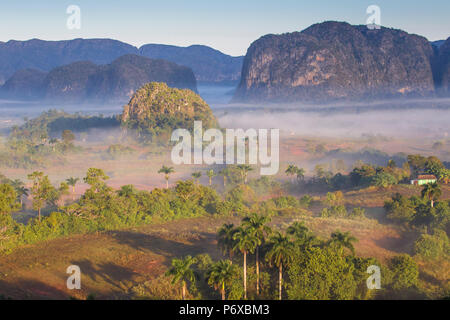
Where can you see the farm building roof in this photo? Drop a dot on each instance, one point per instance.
(426, 177)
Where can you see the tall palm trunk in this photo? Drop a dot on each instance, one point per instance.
(245, 275)
(167, 183)
(223, 291)
(224, 181)
(184, 290)
(73, 193)
(280, 279)
(39, 214)
(257, 271)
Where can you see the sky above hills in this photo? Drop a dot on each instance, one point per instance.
(230, 26)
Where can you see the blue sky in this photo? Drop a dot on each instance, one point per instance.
(230, 25)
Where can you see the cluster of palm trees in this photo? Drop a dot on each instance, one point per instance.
(293, 170)
(251, 236)
(22, 191)
(243, 169)
(254, 236)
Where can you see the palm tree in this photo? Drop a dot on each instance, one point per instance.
(279, 254)
(21, 192)
(224, 173)
(341, 239)
(246, 242)
(301, 234)
(259, 224)
(300, 174)
(245, 169)
(225, 239)
(53, 142)
(127, 191)
(211, 174)
(196, 175)
(72, 182)
(432, 192)
(221, 274)
(291, 170)
(20, 189)
(166, 171)
(181, 272)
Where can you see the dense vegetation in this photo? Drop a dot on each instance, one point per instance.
(295, 264)
(287, 263)
(157, 110)
(334, 176)
(50, 134)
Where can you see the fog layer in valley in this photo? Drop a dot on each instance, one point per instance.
(402, 118)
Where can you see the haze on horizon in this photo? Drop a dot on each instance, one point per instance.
(229, 26)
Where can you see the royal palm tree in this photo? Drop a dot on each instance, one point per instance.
(196, 175)
(432, 192)
(21, 192)
(20, 189)
(291, 170)
(280, 254)
(211, 174)
(301, 234)
(221, 274)
(298, 230)
(345, 240)
(225, 239)
(166, 171)
(259, 224)
(53, 142)
(72, 182)
(127, 191)
(244, 169)
(224, 173)
(300, 174)
(246, 242)
(181, 272)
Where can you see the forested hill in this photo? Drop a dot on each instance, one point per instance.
(86, 81)
(208, 64)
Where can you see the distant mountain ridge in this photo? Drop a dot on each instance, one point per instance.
(208, 64)
(337, 61)
(46, 55)
(85, 81)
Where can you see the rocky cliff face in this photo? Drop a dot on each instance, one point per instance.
(333, 61)
(68, 83)
(442, 68)
(86, 81)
